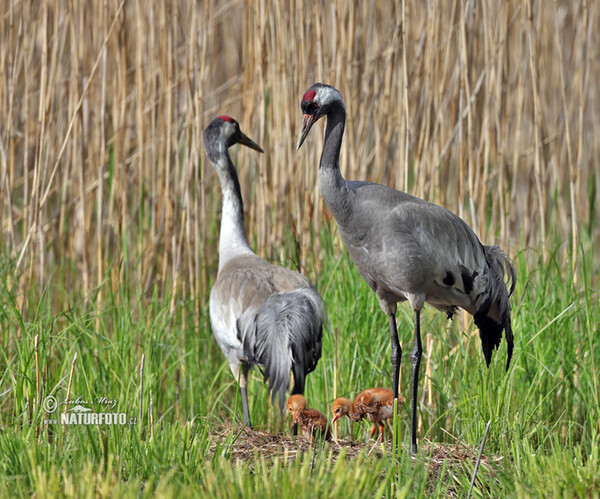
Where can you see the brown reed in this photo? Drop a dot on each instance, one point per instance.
(488, 108)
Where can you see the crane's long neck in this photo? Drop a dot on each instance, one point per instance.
(232, 239)
(331, 183)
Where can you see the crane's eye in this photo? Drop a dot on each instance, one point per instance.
(312, 106)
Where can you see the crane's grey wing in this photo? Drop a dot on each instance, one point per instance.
(284, 334)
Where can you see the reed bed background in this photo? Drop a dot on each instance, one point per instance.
(488, 108)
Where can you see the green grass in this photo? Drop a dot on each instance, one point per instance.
(545, 412)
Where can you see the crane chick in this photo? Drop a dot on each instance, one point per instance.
(313, 423)
(374, 404)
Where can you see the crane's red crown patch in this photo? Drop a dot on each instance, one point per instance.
(227, 118)
(309, 96)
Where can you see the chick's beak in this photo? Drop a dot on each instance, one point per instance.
(307, 122)
(335, 418)
(244, 140)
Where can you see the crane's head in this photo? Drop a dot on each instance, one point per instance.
(225, 128)
(296, 403)
(316, 103)
(340, 408)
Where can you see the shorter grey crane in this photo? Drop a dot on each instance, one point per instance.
(260, 314)
(407, 248)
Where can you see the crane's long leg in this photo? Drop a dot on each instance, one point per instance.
(243, 382)
(245, 406)
(396, 356)
(415, 359)
(396, 359)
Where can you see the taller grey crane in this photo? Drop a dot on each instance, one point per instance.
(261, 314)
(407, 248)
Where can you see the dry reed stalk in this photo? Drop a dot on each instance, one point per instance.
(33, 207)
(167, 72)
(520, 97)
(176, 271)
(5, 186)
(501, 123)
(102, 159)
(187, 181)
(466, 177)
(405, 95)
(571, 165)
(7, 160)
(140, 121)
(423, 136)
(537, 124)
(487, 136)
(574, 173)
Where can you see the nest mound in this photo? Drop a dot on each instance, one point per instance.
(245, 444)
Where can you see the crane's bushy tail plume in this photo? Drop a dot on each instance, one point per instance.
(284, 335)
(493, 313)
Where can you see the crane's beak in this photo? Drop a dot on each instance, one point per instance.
(244, 140)
(307, 122)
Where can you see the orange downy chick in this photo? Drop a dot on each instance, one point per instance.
(375, 404)
(312, 422)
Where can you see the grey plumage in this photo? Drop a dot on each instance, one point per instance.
(407, 248)
(294, 317)
(261, 314)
